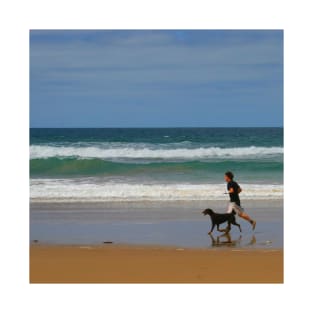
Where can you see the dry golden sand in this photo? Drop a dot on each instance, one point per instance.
(150, 264)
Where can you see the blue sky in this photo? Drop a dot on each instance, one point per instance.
(149, 78)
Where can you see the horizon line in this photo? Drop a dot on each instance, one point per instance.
(57, 127)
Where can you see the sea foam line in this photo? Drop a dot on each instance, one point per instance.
(67, 190)
(42, 151)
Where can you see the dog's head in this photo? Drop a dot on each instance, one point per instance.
(208, 212)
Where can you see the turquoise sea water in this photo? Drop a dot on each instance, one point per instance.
(153, 164)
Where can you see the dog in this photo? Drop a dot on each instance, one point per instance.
(218, 218)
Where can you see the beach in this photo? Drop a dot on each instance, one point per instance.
(137, 242)
(125, 205)
(153, 264)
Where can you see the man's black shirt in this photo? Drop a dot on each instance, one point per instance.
(234, 196)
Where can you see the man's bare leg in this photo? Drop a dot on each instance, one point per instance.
(246, 217)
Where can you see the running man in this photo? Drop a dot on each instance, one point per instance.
(234, 190)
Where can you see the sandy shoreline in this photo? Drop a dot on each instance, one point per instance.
(153, 264)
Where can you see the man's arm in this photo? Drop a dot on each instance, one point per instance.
(231, 190)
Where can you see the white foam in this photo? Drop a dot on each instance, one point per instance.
(69, 190)
(128, 152)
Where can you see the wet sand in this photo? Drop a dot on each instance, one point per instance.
(176, 223)
(153, 264)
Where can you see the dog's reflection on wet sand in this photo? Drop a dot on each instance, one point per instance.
(226, 240)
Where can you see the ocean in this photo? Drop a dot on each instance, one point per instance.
(153, 164)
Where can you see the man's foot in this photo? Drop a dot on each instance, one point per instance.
(253, 223)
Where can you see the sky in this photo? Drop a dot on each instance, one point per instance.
(156, 78)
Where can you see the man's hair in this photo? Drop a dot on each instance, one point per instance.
(229, 175)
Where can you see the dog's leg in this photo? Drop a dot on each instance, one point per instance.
(220, 230)
(235, 223)
(213, 225)
(227, 230)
